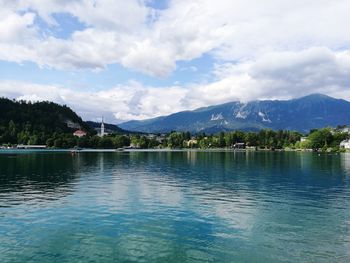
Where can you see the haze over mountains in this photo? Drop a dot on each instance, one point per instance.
(301, 114)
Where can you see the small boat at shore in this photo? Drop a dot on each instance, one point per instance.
(76, 150)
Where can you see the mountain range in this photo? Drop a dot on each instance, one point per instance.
(301, 114)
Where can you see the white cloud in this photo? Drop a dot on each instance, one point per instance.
(88, 49)
(14, 27)
(119, 103)
(285, 75)
(152, 41)
(262, 49)
(278, 75)
(112, 14)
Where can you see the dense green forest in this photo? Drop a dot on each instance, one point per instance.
(34, 123)
(45, 123)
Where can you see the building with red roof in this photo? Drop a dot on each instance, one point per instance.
(79, 133)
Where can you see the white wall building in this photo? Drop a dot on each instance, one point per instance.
(345, 144)
(345, 129)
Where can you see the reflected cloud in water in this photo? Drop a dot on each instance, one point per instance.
(173, 206)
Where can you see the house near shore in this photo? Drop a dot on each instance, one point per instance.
(79, 133)
(345, 144)
(239, 145)
(192, 143)
(303, 139)
(342, 129)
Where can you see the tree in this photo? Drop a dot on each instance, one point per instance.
(153, 143)
(228, 139)
(251, 139)
(320, 138)
(221, 140)
(58, 143)
(50, 142)
(105, 142)
(175, 140)
(83, 142)
(33, 140)
(121, 141)
(144, 142)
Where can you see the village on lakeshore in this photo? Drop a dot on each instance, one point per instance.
(320, 140)
(55, 126)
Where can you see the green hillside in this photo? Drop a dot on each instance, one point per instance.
(34, 123)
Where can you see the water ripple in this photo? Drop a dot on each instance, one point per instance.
(174, 207)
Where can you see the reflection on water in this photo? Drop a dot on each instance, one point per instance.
(174, 207)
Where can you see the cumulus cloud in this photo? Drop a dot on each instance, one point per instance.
(284, 75)
(262, 49)
(277, 75)
(119, 103)
(152, 41)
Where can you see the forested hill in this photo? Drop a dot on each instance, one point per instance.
(26, 122)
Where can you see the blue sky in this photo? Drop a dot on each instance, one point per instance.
(197, 70)
(141, 59)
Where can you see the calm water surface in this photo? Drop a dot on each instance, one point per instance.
(174, 207)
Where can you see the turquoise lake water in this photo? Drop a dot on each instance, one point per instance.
(174, 207)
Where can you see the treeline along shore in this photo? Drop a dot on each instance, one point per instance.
(325, 139)
(53, 125)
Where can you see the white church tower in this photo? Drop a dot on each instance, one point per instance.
(102, 129)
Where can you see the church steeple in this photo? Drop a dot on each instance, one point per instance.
(102, 128)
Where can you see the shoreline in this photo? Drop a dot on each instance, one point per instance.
(75, 151)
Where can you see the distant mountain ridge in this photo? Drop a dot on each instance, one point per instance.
(301, 114)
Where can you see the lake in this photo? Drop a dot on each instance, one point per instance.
(174, 207)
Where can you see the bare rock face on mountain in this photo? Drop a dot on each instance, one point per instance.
(302, 114)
